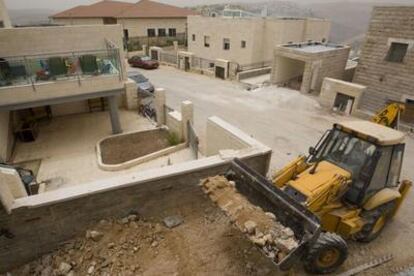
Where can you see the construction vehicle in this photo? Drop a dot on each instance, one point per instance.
(348, 187)
(350, 181)
(389, 115)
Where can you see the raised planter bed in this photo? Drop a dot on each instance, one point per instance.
(123, 151)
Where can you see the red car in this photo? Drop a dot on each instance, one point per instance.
(144, 62)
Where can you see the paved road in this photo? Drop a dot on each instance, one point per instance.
(289, 123)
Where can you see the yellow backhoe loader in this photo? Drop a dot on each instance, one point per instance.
(389, 115)
(351, 182)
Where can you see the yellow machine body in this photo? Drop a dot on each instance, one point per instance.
(322, 189)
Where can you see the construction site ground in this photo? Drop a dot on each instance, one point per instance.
(289, 123)
(206, 243)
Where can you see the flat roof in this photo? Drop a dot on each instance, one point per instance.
(384, 135)
(313, 47)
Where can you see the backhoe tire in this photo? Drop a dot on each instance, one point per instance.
(376, 220)
(326, 254)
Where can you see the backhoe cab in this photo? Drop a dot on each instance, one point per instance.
(350, 181)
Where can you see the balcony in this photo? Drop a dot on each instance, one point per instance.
(26, 79)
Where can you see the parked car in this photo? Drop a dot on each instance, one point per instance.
(144, 62)
(143, 84)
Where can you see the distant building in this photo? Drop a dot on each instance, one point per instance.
(386, 64)
(143, 19)
(4, 16)
(303, 66)
(53, 71)
(249, 40)
(228, 12)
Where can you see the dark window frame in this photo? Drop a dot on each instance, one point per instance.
(162, 32)
(226, 44)
(193, 37)
(172, 32)
(151, 32)
(207, 44)
(243, 44)
(397, 52)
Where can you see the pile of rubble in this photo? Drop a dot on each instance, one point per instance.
(113, 247)
(261, 227)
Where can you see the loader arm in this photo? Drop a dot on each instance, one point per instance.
(389, 115)
(290, 171)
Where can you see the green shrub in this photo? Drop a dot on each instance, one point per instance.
(173, 139)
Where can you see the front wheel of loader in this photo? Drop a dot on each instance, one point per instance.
(375, 222)
(326, 254)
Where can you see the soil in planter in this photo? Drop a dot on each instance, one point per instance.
(119, 149)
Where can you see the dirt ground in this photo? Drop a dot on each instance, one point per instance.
(205, 243)
(119, 149)
(289, 122)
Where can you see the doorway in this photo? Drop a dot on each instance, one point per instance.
(220, 72)
(154, 54)
(408, 114)
(186, 63)
(343, 103)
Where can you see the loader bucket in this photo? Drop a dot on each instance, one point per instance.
(261, 192)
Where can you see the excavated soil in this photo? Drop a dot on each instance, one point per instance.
(205, 243)
(122, 148)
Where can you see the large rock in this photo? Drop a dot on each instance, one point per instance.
(64, 268)
(94, 235)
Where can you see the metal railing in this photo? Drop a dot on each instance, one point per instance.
(168, 58)
(202, 63)
(36, 69)
(193, 141)
(135, 43)
(256, 65)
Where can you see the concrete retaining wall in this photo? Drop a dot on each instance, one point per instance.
(40, 223)
(254, 73)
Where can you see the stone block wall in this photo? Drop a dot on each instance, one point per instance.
(387, 80)
(42, 222)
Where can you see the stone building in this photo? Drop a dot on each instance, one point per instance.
(386, 64)
(249, 40)
(303, 66)
(143, 19)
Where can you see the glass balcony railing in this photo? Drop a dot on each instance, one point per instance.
(31, 70)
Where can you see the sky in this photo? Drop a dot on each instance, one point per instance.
(65, 4)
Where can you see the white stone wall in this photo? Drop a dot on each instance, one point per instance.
(135, 26)
(4, 15)
(331, 87)
(261, 36)
(49, 40)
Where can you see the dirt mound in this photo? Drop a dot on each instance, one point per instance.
(261, 227)
(201, 241)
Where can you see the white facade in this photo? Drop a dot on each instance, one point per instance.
(134, 26)
(252, 40)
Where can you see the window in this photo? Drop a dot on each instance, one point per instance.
(1, 24)
(109, 20)
(172, 32)
(243, 44)
(126, 35)
(193, 37)
(226, 44)
(162, 32)
(395, 167)
(206, 41)
(397, 52)
(151, 32)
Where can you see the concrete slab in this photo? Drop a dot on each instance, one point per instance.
(66, 148)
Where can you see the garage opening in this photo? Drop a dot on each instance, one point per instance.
(289, 72)
(408, 115)
(343, 103)
(220, 72)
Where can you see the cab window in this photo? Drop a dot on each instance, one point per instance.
(396, 164)
(379, 178)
